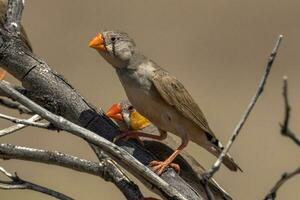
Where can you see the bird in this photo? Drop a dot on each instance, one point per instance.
(159, 96)
(23, 35)
(129, 119)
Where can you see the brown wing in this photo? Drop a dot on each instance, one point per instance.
(176, 95)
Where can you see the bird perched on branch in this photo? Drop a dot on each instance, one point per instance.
(129, 119)
(158, 96)
(23, 35)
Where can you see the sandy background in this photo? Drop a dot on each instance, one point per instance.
(218, 49)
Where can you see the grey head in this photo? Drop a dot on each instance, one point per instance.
(116, 47)
(126, 110)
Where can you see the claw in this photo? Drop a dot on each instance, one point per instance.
(175, 166)
(159, 166)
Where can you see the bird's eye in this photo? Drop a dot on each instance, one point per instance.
(113, 39)
(130, 108)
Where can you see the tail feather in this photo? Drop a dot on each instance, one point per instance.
(215, 147)
(227, 161)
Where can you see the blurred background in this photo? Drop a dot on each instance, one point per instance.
(218, 49)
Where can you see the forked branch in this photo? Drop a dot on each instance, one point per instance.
(250, 107)
(17, 183)
(285, 131)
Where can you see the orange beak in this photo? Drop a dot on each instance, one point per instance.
(98, 43)
(114, 112)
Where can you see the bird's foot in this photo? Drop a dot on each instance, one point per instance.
(128, 135)
(159, 166)
(149, 198)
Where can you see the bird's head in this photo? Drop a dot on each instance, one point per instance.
(121, 111)
(116, 47)
(124, 112)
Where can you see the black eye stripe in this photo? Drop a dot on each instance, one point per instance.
(113, 48)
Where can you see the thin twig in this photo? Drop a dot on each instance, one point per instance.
(24, 121)
(18, 127)
(241, 123)
(208, 191)
(105, 168)
(284, 178)
(285, 130)
(18, 183)
(121, 156)
(15, 105)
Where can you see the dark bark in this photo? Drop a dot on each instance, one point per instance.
(53, 92)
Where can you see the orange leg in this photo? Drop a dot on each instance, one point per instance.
(136, 135)
(159, 166)
(2, 74)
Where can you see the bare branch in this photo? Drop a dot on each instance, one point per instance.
(284, 178)
(241, 123)
(121, 156)
(105, 168)
(50, 90)
(285, 130)
(15, 105)
(18, 127)
(24, 121)
(114, 174)
(10, 33)
(18, 183)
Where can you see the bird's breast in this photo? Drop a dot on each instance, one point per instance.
(143, 95)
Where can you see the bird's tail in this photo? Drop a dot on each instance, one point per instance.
(227, 161)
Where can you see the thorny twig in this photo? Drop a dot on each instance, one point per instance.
(17, 183)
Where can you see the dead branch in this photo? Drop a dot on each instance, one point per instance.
(18, 127)
(24, 121)
(18, 183)
(53, 92)
(284, 178)
(104, 168)
(121, 156)
(285, 131)
(111, 173)
(15, 105)
(11, 29)
(241, 123)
